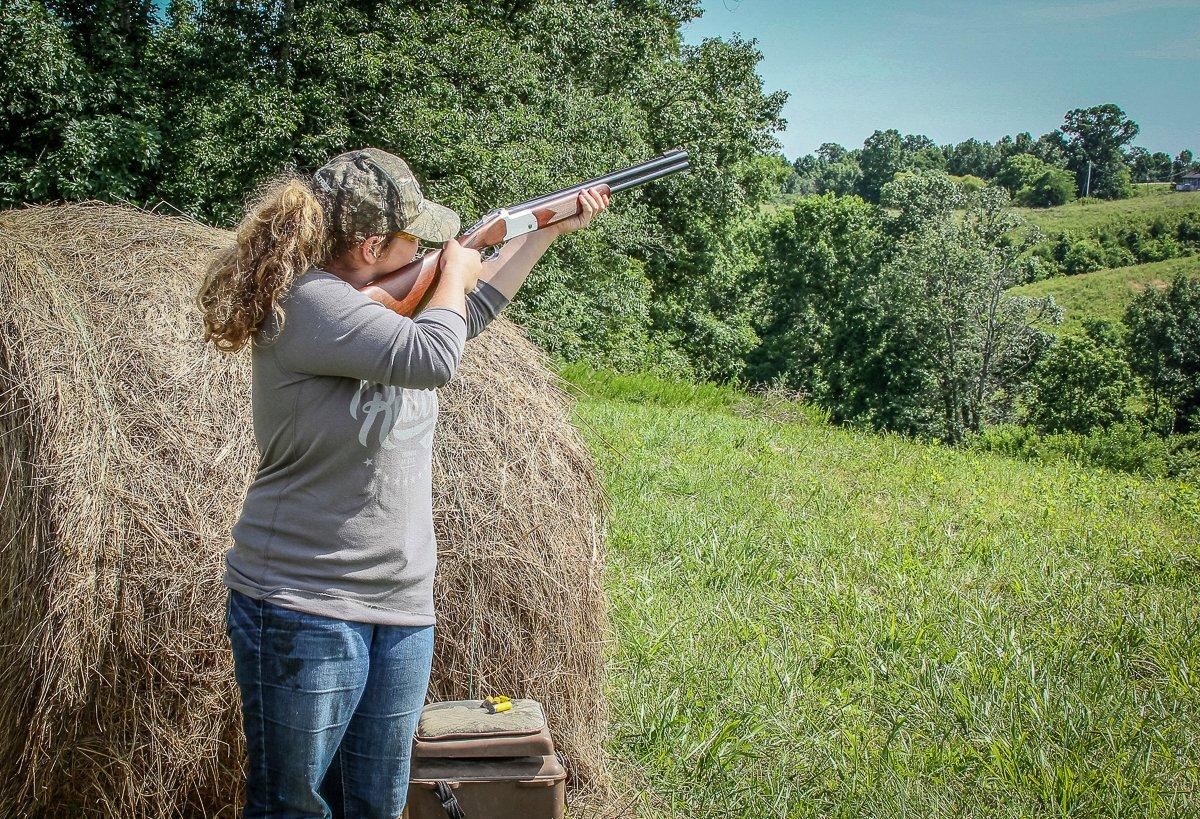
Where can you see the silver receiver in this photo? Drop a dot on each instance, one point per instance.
(517, 224)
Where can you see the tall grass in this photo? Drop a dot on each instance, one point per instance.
(1079, 217)
(814, 622)
(1106, 293)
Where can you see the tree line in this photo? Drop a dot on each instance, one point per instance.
(883, 300)
(1090, 154)
(198, 103)
(897, 316)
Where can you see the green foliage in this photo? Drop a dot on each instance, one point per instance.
(1119, 233)
(1035, 184)
(1019, 171)
(808, 259)
(898, 318)
(1097, 136)
(1125, 446)
(1050, 188)
(76, 118)
(1083, 256)
(1083, 382)
(917, 199)
(950, 351)
(973, 158)
(1164, 348)
(490, 103)
(969, 183)
(883, 156)
(1183, 457)
(1149, 167)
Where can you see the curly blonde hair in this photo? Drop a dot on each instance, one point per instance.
(281, 236)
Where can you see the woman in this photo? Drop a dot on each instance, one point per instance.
(330, 578)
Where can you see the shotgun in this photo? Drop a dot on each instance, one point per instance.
(406, 289)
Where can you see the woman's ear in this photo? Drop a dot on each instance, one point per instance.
(369, 249)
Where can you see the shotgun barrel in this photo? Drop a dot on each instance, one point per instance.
(676, 160)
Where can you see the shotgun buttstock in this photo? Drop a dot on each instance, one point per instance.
(406, 290)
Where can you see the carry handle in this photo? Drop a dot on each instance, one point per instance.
(445, 794)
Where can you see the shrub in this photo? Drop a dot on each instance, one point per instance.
(1084, 256)
(1188, 229)
(1034, 183)
(1083, 382)
(1049, 189)
(1157, 250)
(969, 183)
(1126, 447)
(1183, 456)
(1118, 256)
(1164, 349)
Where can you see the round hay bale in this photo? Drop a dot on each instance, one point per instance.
(128, 446)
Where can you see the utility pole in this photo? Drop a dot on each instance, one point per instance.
(1087, 188)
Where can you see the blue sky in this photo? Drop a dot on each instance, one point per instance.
(982, 68)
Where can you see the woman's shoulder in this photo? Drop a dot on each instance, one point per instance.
(319, 291)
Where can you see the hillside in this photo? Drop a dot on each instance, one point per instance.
(1106, 293)
(1078, 217)
(817, 622)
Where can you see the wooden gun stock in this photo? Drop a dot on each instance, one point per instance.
(407, 289)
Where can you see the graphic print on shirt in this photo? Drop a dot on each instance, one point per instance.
(401, 413)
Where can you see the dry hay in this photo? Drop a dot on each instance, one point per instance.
(128, 447)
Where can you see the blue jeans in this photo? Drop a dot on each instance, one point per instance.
(329, 709)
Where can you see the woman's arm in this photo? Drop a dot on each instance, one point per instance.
(508, 271)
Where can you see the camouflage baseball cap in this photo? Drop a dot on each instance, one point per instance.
(370, 192)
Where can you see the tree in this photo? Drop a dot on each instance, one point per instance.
(883, 156)
(831, 152)
(1164, 349)
(490, 102)
(840, 178)
(1184, 163)
(973, 158)
(1051, 148)
(807, 259)
(832, 170)
(1083, 382)
(77, 118)
(951, 350)
(1035, 184)
(1149, 167)
(1097, 135)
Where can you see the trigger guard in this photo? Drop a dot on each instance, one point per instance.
(490, 253)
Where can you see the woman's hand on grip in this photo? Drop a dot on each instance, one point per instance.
(463, 262)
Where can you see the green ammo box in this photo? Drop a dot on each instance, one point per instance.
(470, 764)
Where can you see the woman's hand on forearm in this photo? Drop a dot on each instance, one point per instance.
(508, 271)
(591, 202)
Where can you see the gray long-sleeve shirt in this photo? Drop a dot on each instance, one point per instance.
(339, 518)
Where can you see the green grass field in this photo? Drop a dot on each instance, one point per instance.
(812, 622)
(1106, 293)
(1152, 188)
(1078, 217)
